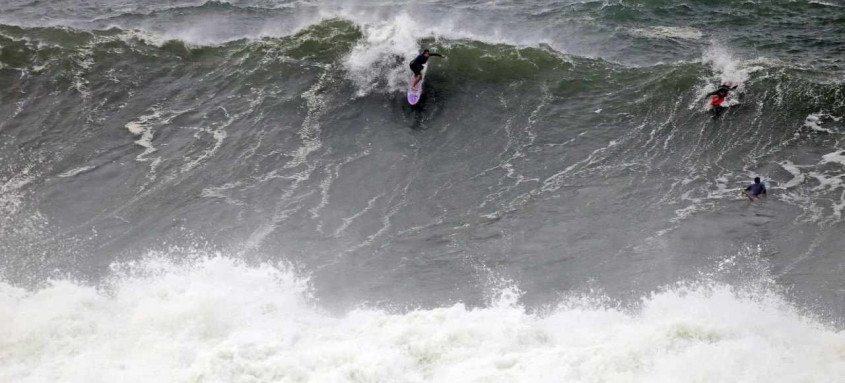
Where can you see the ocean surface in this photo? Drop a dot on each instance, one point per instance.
(238, 191)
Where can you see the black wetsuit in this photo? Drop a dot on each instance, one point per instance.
(418, 63)
(722, 91)
(756, 189)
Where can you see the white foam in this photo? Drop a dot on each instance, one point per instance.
(395, 36)
(22, 226)
(730, 70)
(666, 32)
(797, 176)
(223, 192)
(815, 121)
(75, 171)
(825, 3)
(217, 320)
(349, 220)
(12, 190)
(143, 128)
(310, 131)
(373, 61)
(827, 195)
(218, 133)
(835, 157)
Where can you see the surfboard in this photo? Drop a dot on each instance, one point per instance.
(415, 93)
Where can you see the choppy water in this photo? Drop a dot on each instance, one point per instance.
(238, 191)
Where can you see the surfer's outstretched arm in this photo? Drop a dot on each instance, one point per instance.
(722, 91)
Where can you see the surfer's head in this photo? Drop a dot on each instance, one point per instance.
(756, 180)
(426, 52)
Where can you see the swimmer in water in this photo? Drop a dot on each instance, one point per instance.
(756, 190)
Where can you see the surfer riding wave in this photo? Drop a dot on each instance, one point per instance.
(718, 98)
(418, 64)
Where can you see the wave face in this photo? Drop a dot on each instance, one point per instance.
(562, 172)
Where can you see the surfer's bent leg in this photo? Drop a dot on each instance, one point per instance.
(417, 69)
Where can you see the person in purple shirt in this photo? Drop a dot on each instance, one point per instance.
(756, 190)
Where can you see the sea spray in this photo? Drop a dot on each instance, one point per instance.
(218, 319)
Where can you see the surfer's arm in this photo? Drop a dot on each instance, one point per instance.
(713, 93)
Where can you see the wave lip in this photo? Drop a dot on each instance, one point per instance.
(217, 319)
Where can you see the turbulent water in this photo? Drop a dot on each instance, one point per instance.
(238, 192)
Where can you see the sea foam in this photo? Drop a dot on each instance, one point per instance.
(215, 319)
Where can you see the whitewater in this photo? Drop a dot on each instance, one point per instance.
(237, 191)
(216, 319)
